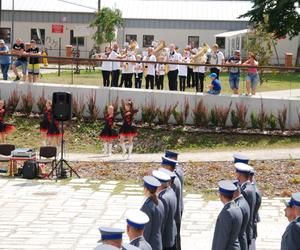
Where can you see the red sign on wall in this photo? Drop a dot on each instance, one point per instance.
(57, 28)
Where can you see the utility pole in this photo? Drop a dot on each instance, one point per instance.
(98, 29)
(12, 23)
(0, 11)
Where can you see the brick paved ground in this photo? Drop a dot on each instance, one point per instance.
(66, 215)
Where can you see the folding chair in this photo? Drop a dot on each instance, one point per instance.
(5, 153)
(47, 155)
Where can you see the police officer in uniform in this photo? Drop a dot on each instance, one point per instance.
(136, 221)
(243, 205)
(256, 217)
(229, 221)
(170, 165)
(179, 171)
(243, 175)
(154, 209)
(291, 237)
(168, 198)
(111, 238)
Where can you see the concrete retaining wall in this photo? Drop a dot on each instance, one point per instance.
(141, 97)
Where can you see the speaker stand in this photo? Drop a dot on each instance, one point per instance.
(59, 166)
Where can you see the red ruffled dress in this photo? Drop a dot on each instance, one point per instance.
(4, 127)
(127, 129)
(108, 133)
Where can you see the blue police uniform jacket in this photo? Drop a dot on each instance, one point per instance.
(248, 192)
(153, 229)
(176, 186)
(243, 205)
(256, 217)
(291, 237)
(228, 227)
(141, 243)
(169, 230)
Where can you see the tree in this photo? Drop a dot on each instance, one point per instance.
(284, 17)
(107, 21)
(261, 42)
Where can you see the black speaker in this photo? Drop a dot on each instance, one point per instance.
(62, 106)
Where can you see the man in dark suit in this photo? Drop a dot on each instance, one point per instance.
(229, 221)
(136, 221)
(291, 237)
(243, 205)
(168, 198)
(243, 175)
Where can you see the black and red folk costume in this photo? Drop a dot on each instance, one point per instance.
(127, 130)
(49, 125)
(4, 127)
(108, 133)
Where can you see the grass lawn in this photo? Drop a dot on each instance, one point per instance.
(274, 81)
(83, 138)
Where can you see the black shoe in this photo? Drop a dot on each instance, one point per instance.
(17, 79)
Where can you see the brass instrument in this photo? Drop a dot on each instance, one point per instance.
(133, 46)
(157, 51)
(200, 56)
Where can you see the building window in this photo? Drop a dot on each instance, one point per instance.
(221, 42)
(147, 40)
(38, 35)
(193, 41)
(5, 34)
(129, 38)
(73, 39)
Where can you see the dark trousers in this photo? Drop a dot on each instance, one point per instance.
(138, 77)
(4, 70)
(170, 248)
(105, 75)
(115, 78)
(182, 83)
(215, 70)
(128, 80)
(178, 237)
(149, 81)
(159, 81)
(122, 81)
(199, 81)
(172, 75)
(190, 76)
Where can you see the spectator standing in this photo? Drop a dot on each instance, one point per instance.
(34, 65)
(18, 50)
(234, 72)
(217, 58)
(5, 60)
(252, 78)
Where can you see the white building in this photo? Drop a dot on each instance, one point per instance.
(181, 22)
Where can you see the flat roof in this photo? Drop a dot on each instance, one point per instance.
(143, 9)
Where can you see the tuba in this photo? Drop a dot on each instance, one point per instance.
(200, 56)
(159, 48)
(133, 45)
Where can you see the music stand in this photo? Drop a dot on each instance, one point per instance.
(59, 166)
